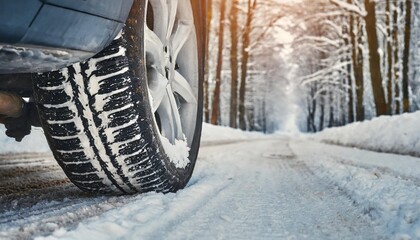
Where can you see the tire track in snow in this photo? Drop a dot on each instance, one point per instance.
(51, 202)
(384, 186)
(255, 189)
(378, 171)
(272, 195)
(36, 197)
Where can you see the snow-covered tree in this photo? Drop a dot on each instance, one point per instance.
(360, 59)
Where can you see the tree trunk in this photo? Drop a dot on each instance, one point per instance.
(234, 64)
(390, 84)
(322, 113)
(347, 43)
(374, 59)
(251, 120)
(244, 62)
(331, 104)
(308, 117)
(216, 95)
(264, 117)
(357, 59)
(406, 56)
(350, 95)
(396, 68)
(312, 104)
(207, 70)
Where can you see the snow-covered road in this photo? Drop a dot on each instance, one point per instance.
(254, 188)
(265, 192)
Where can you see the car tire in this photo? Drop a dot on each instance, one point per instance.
(129, 119)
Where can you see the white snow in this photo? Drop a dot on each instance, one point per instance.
(386, 186)
(396, 134)
(35, 142)
(177, 153)
(253, 186)
(350, 7)
(218, 133)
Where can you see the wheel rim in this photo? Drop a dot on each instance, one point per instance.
(172, 63)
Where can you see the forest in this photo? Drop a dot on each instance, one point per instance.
(307, 65)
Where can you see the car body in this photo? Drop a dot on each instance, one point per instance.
(42, 35)
(45, 35)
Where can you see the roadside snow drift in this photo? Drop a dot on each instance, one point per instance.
(385, 186)
(219, 133)
(392, 134)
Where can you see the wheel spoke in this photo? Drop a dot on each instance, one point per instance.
(172, 7)
(166, 121)
(175, 113)
(169, 116)
(157, 86)
(180, 37)
(160, 18)
(154, 50)
(181, 86)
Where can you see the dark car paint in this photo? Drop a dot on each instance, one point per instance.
(17, 81)
(43, 35)
(15, 18)
(116, 10)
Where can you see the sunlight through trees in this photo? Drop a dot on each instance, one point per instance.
(346, 61)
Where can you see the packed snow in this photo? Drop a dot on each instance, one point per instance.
(253, 186)
(35, 142)
(178, 153)
(247, 190)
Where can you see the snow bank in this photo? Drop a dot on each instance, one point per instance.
(388, 193)
(218, 133)
(35, 142)
(392, 134)
(390, 201)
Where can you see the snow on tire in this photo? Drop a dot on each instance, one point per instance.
(129, 119)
